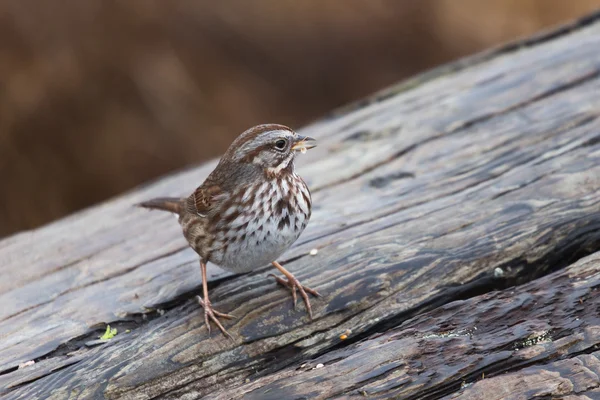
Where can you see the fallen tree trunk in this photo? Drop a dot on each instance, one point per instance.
(469, 341)
(432, 201)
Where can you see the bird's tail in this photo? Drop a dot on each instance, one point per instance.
(171, 204)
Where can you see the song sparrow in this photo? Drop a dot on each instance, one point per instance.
(249, 210)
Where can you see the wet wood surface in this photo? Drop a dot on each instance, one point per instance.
(453, 214)
(481, 347)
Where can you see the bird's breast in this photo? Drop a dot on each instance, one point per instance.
(260, 222)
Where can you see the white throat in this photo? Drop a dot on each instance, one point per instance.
(282, 165)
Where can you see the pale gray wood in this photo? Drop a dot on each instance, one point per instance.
(476, 177)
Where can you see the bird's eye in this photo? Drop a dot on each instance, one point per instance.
(280, 144)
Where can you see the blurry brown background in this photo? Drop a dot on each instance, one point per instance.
(98, 96)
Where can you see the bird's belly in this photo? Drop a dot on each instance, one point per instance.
(259, 247)
(256, 235)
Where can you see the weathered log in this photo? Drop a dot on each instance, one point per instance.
(432, 200)
(475, 340)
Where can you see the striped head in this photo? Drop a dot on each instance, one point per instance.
(270, 146)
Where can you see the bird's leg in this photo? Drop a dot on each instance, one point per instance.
(209, 312)
(292, 283)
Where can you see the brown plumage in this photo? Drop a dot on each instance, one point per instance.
(250, 209)
(171, 204)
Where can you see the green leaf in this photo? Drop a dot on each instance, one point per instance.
(109, 334)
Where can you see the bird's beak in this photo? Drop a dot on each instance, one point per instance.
(303, 143)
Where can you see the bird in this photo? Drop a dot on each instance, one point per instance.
(250, 209)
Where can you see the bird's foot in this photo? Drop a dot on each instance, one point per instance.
(293, 284)
(214, 315)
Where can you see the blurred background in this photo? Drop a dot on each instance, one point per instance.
(98, 96)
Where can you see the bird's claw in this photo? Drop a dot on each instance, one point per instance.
(212, 314)
(293, 284)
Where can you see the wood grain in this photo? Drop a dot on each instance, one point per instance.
(465, 349)
(428, 198)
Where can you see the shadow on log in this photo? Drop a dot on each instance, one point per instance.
(450, 215)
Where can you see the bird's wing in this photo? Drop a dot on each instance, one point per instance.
(204, 198)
